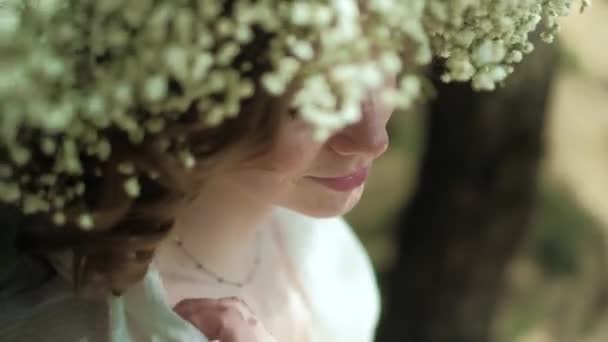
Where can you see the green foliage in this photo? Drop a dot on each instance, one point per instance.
(561, 231)
(570, 58)
(561, 265)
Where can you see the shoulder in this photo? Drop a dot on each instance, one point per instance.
(336, 270)
(308, 236)
(46, 311)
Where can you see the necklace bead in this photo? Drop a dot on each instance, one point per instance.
(220, 279)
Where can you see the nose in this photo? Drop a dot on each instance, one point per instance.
(367, 137)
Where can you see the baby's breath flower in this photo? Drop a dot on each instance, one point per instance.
(126, 167)
(187, 159)
(85, 221)
(9, 192)
(132, 187)
(139, 64)
(480, 39)
(34, 203)
(59, 218)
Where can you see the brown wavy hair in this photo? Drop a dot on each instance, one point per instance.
(128, 230)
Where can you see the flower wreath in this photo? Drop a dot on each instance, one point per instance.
(58, 95)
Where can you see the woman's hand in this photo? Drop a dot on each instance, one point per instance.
(224, 320)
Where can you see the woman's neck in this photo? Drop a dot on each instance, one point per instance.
(218, 229)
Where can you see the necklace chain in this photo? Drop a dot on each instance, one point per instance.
(217, 277)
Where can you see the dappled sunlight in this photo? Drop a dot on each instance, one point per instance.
(578, 134)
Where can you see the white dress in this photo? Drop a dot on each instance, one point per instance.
(332, 265)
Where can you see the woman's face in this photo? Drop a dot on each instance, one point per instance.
(316, 179)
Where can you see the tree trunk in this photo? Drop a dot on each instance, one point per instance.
(471, 207)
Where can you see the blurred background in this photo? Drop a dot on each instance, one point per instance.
(487, 219)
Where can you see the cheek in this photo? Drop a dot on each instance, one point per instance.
(290, 161)
(293, 154)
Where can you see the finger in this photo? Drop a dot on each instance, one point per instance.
(239, 303)
(192, 305)
(202, 313)
(218, 319)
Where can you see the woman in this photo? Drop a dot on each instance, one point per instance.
(262, 230)
(189, 161)
(244, 245)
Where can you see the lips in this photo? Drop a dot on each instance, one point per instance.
(345, 183)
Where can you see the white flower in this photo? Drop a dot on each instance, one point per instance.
(132, 187)
(141, 63)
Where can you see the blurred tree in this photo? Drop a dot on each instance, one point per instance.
(9, 219)
(471, 207)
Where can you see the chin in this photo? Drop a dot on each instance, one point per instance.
(327, 203)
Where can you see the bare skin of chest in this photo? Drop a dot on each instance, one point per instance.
(273, 295)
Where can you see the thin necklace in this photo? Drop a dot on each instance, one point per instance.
(218, 278)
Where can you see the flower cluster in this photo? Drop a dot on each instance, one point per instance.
(481, 39)
(74, 69)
